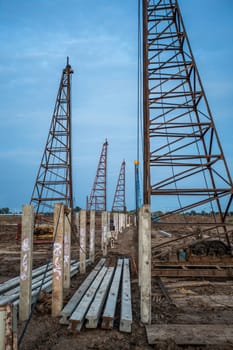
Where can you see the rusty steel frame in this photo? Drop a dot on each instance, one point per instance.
(118, 204)
(98, 197)
(183, 155)
(54, 179)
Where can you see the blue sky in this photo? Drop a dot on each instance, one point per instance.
(100, 37)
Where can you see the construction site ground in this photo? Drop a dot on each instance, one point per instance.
(191, 301)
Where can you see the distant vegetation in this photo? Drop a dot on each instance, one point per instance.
(156, 214)
(5, 211)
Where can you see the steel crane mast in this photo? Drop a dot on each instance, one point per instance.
(54, 179)
(183, 156)
(98, 197)
(119, 196)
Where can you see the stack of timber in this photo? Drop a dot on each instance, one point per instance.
(95, 301)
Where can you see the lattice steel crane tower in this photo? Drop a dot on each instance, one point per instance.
(54, 179)
(118, 204)
(98, 197)
(183, 156)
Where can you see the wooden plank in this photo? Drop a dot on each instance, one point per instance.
(192, 272)
(93, 314)
(78, 316)
(126, 304)
(73, 302)
(186, 284)
(183, 334)
(110, 307)
(213, 301)
(188, 316)
(208, 262)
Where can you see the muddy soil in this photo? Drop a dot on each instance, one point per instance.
(46, 333)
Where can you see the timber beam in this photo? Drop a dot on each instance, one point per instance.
(192, 271)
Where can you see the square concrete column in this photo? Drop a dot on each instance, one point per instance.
(58, 260)
(83, 244)
(116, 224)
(128, 220)
(77, 224)
(124, 220)
(104, 232)
(140, 212)
(26, 262)
(92, 236)
(108, 220)
(145, 264)
(67, 249)
(120, 223)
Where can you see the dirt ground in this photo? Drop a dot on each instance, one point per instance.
(45, 332)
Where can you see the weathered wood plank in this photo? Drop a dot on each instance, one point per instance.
(194, 272)
(186, 284)
(213, 301)
(110, 307)
(182, 334)
(93, 314)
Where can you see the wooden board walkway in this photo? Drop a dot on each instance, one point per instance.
(183, 334)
